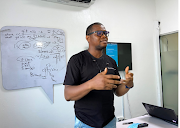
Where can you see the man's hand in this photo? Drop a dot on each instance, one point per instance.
(129, 78)
(104, 82)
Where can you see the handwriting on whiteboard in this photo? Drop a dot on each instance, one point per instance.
(37, 55)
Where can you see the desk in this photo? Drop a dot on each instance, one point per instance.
(152, 121)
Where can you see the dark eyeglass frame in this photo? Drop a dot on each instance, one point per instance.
(106, 33)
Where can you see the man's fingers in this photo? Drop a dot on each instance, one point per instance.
(129, 78)
(124, 82)
(111, 81)
(112, 77)
(127, 69)
(110, 86)
(105, 71)
(131, 74)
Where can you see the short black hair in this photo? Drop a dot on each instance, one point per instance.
(89, 28)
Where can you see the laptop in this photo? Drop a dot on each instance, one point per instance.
(165, 114)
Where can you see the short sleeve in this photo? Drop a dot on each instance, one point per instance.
(73, 76)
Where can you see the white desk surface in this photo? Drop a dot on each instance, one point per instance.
(152, 121)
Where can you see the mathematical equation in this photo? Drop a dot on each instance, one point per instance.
(39, 51)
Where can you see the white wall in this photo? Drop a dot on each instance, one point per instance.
(167, 14)
(128, 21)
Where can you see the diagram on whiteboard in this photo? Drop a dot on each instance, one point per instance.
(32, 57)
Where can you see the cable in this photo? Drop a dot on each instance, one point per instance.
(122, 77)
(129, 105)
(128, 101)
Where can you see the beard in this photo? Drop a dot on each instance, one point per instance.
(100, 48)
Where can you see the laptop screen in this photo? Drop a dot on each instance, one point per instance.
(162, 113)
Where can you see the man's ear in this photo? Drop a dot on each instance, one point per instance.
(87, 38)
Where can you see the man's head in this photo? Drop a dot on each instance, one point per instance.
(97, 36)
(89, 28)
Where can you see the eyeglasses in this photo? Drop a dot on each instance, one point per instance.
(100, 33)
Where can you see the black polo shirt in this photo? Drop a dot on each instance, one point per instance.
(96, 109)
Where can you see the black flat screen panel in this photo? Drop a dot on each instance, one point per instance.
(124, 55)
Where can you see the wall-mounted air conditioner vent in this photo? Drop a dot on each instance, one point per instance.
(79, 3)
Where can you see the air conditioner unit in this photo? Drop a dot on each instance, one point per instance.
(79, 3)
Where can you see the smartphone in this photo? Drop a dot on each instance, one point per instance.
(142, 125)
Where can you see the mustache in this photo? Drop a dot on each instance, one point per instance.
(103, 40)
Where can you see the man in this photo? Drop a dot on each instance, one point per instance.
(91, 80)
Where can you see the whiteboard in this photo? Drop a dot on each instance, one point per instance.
(32, 57)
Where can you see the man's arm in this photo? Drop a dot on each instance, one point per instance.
(100, 82)
(76, 92)
(121, 89)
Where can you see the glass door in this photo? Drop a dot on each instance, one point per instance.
(169, 69)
